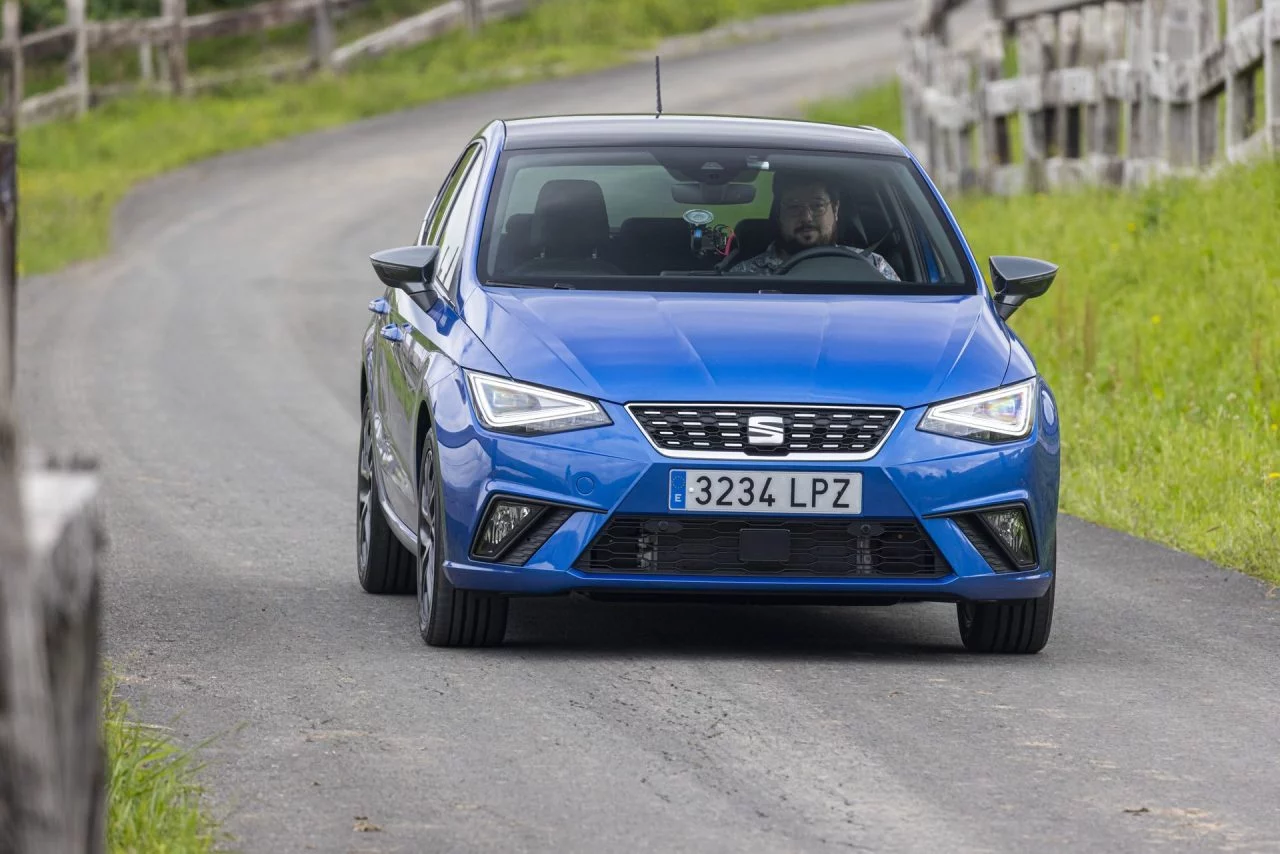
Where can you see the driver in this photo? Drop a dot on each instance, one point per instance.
(805, 214)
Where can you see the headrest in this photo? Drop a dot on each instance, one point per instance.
(754, 234)
(570, 218)
(519, 226)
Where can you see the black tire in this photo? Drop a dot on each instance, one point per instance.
(382, 563)
(1019, 627)
(448, 616)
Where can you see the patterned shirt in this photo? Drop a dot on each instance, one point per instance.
(768, 262)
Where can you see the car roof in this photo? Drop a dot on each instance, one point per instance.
(668, 129)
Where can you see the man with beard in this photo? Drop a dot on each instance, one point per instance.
(805, 213)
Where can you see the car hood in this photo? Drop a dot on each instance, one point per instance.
(747, 348)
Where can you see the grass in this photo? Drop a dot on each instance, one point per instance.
(229, 52)
(153, 799)
(73, 173)
(1161, 339)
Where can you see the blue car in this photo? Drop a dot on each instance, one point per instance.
(703, 357)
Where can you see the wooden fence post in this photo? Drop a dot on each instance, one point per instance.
(1271, 71)
(964, 136)
(176, 12)
(1205, 97)
(1067, 123)
(8, 246)
(1116, 78)
(322, 39)
(1241, 92)
(995, 128)
(1032, 117)
(146, 61)
(78, 62)
(52, 763)
(11, 47)
(472, 14)
(1178, 44)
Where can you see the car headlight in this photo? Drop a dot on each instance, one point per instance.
(1003, 415)
(508, 406)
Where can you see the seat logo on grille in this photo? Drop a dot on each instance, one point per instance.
(764, 429)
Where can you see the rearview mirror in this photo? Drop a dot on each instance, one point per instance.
(694, 193)
(1017, 279)
(409, 268)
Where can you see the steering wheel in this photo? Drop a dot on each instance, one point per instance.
(814, 252)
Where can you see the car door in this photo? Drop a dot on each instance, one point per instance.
(413, 332)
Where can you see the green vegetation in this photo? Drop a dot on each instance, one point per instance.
(153, 801)
(1161, 340)
(73, 173)
(226, 53)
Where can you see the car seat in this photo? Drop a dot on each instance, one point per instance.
(569, 230)
(515, 246)
(750, 238)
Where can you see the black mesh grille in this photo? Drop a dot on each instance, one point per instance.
(817, 547)
(715, 428)
(984, 543)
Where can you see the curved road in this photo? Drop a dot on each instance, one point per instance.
(211, 364)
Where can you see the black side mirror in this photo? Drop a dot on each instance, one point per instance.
(409, 268)
(1017, 279)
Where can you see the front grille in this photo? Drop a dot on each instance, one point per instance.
(671, 545)
(827, 431)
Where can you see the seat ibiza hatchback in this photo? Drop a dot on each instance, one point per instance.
(708, 356)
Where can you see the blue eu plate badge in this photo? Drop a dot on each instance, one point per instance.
(677, 490)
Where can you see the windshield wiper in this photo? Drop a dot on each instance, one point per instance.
(559, 286)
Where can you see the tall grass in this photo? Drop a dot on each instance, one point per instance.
(73, 173)
(153, 797)
(1161, 338)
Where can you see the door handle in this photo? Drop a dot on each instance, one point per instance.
(379, 305)
(391, 332)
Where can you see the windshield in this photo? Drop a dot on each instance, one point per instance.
(681, 218)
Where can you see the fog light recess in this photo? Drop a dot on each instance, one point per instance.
(1010, 528)
(505, 521)
(512, 530)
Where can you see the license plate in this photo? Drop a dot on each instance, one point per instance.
(781, 492)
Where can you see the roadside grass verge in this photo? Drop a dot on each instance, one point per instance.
(153, 799)
(1161, 339)
(73, 173)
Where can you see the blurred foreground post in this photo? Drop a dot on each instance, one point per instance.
(176, 59)
(11, 63)
(322, 40)
(52, 768)
(78, 62)
(472, 14)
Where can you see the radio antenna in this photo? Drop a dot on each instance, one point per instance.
(657, 75)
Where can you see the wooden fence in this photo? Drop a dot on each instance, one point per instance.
(162, 45)
(1036, 94)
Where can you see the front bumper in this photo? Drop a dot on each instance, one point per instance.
(600, 473)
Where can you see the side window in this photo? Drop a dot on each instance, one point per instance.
(444, 199)
(453, 230)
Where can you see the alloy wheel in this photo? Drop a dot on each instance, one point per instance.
(427, 508)
(364, 494)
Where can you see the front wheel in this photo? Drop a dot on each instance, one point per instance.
(1019, 627)
(448, 616)
(382, 564)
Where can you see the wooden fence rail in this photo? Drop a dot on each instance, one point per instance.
(162, 43)
(1048, 93)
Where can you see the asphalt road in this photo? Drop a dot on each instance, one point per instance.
(211, 363)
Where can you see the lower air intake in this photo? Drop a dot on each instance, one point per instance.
(840, 548)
